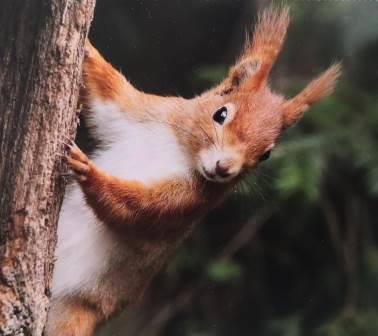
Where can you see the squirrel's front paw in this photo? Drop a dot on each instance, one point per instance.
(78, 162)
(88, 49)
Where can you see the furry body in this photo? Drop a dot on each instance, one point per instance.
(92, 259)
(164, 163)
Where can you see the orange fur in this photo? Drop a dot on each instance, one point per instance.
(77, 320)
(150, 218)
(103, 82)
(131, 207)
(259, 55)
(318, 88)
(100, 78)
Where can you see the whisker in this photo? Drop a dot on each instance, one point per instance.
(262, 172)
(215, 130)
(216, 134)
(245, 196)
(206, 134)
(251, 192)
(264, 178)
(257, 188)
(222, 137)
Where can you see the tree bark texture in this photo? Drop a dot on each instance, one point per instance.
(41, 52)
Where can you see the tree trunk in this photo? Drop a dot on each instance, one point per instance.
(41, 52)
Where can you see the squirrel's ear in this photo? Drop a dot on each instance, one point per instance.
(258, 56)
(293, 109)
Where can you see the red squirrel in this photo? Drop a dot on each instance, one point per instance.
(165, 162)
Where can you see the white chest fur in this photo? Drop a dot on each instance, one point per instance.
(136, 151)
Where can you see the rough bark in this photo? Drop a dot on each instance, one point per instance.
(41, 51)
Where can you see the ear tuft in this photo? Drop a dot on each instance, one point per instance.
(269, 35)
(259, 55)
(320, 87)
(244, 70)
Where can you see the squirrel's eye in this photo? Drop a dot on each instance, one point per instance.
(220, 115)
(265, 156)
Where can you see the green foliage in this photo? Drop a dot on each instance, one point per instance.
(208, 75)
(299, 168)
(287, 327)
(363, 324)
(224, 271)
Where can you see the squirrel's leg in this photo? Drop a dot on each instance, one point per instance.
(101, 80)
(106, 95)
(71, 319)
(120, 201)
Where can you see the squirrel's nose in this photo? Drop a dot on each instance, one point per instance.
(222, 169)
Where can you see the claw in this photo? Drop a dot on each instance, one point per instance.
(64, 175)
(87, 53)
(69, 145)
(67, 141)
(77, 154)
(78, 162)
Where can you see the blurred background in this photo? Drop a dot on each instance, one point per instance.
(295, 250)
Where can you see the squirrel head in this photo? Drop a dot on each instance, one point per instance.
(235, 125)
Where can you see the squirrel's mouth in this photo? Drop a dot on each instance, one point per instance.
(219, 165)
(217, 177)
